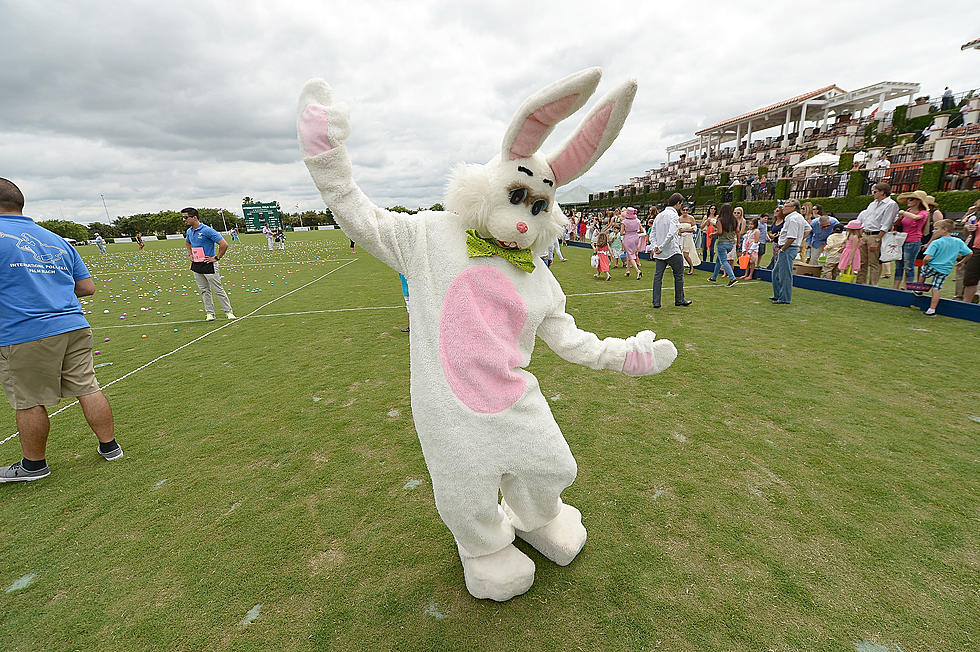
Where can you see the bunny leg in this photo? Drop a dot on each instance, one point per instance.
(492, 567)
(532, 502)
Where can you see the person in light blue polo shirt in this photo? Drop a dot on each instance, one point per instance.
(822, 227)
(45, 340)
(200, 239)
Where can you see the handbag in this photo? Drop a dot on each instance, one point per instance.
(743, 262)
(891, 246)
(847, 276)
(595, 261)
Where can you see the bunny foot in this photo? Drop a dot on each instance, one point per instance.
(561, 539)
(498, 576)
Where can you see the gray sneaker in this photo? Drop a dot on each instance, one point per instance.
(114, 454)
(17, 473)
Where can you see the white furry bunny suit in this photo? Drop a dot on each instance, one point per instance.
(483, 423)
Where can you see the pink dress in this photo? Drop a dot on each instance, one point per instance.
(603, 253)
(631, 240)
(851, 256)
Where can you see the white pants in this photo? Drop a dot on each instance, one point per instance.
(269, 240)
(210, 284)
(282, 244)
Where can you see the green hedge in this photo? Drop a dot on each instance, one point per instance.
(738, 194)
(782, 189)
(855, 182)
(846, 161)
(725, 179)
(899, 120)
(763, 170)
(932, 176)
(956, 201)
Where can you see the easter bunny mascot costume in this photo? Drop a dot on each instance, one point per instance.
(480, 295)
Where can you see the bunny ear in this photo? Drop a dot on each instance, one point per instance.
(594, 136)
(537, 117)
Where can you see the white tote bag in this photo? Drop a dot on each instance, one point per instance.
(891, 246)
(595, 261)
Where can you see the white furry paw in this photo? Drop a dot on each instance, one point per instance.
(321, 123)
(498, 576)
(649, 355)
(561, 539)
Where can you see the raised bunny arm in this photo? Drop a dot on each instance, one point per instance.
(639, 355)
(322, 125)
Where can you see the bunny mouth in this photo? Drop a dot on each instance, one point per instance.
(508, 245)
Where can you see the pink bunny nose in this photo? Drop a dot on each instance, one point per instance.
(522, 227)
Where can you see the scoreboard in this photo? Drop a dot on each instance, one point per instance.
(257, 215)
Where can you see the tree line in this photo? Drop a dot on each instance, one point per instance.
(170, 222)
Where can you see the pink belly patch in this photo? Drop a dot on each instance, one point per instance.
(482, 317)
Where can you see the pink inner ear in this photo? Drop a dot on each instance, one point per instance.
(529, 138)
(582, 147)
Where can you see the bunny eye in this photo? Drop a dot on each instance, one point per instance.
(518, 195)
(539, 206)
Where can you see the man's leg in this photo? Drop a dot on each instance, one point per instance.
(874, 261)
(205, 288)
(33, 425)
(218, 290)
(658, 278)
(677, 265)
(814, 255)
(97, 412)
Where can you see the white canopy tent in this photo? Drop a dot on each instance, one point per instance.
(823, 159)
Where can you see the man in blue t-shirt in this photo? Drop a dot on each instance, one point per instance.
(200, 240)
(45, 341)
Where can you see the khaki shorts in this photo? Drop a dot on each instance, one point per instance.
(42, 372)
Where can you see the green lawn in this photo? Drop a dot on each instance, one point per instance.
(803, 477)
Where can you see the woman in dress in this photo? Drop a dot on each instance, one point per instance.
(631, 240)
(688, 227)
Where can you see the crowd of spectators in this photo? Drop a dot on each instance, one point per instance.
(775, 154)
(851, 251)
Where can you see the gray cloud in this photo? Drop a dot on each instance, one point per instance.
(168, 104)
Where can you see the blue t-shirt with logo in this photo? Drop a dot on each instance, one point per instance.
(38, 271)
(944, 252)
(203, 236)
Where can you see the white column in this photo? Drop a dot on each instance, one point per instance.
(785, 133)
(748, 138)
(823, 124)
(799, 130)
(738, 136)
(881, 103)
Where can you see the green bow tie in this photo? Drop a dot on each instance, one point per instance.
(477, 245)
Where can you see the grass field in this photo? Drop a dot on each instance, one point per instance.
(803, 477)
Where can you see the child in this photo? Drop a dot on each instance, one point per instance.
(850, 258)
(750, 247)
(602, 250)
(833, 250)
(616, 245)
(941, 255)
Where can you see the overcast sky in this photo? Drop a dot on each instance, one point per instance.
(161, 105)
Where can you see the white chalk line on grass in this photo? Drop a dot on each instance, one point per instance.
(196, 339)
(271, 314)
(360, 308)
(252, 315)
(646, 289)
(185, 269)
